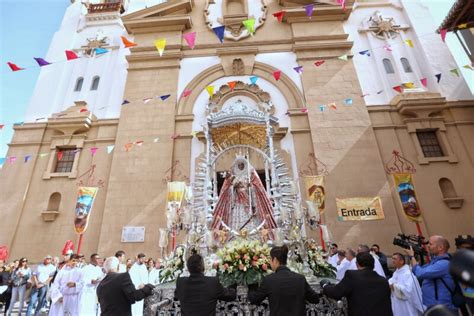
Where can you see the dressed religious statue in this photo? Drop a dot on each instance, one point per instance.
(243, 201)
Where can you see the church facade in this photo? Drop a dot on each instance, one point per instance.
(329, 75)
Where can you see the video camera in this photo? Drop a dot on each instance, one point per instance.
(415, 241)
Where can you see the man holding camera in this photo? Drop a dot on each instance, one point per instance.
(437, 283)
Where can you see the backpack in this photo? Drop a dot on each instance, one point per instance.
(457, 296)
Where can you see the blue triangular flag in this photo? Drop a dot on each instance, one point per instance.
(125, 102)
(219, 30)
(110, 148)
(41, 62)
(164, 97)
(19, 123)
(2, 161)
(298, 69)
(100, 50)
(438, 76)
(322, 107)
(365, 52)
(348, 101)
(253, 79)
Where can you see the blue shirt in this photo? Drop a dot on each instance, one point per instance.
(438, 268)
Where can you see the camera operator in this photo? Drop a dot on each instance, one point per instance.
(437, 283)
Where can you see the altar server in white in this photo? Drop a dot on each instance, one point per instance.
(377, 266)
(92, 275)
(139, 275)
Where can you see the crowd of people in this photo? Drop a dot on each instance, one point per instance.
(118, 286)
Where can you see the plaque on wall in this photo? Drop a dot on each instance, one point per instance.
(133, 234)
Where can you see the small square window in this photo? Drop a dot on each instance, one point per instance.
(67, 160)
(429, 143)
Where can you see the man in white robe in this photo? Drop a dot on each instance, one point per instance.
(139, 275)
(92, 275)
(345, 264)
(406, 291)
(377, 266)
(120, 255)
(66, 289)
(333, 257)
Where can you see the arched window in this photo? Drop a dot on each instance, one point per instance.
(447, 188)
(406, 64)
(54, 201)
(388, 66)
(95, 83)
(79, 83)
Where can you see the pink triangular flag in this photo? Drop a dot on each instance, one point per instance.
(190, 38)
(277, 74)
(443, 33)
(60, 155)
(424, 82)
(93, 150)
(186, 93)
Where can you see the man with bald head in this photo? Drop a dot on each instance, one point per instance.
(437, 284)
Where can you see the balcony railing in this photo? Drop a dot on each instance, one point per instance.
(104, 7)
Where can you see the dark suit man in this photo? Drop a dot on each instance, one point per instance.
(197, 293)
(116, 291)
(367, 292)
(287, 291)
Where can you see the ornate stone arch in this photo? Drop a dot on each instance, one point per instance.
(286, 86)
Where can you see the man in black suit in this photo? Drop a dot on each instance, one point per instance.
(198, 294)
(116, 291)
(367, 292)
(287, 291)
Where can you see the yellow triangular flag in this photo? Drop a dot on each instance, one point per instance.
(462, 26)
(455, 72)
(468, 67)
(210, 90)
(409, 85)
(343, 57)
(160, 45)
(249, 25)
(409, 43)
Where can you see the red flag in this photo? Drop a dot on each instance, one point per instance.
(319, 63)
(3, 253)
(304, 110)
(68, 247)
(127, 43)
(279, 15)
(231, 85)
(277, 74)
(82, 110)
(70, 55)
(175, 136)
(443, 34)
(424, 82)
(186, 93)
(14, 67)
(60, 155)
(399, 89)
(1, 126)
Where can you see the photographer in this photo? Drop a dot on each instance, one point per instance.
(437, 283)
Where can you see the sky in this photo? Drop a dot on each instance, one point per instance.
(27, 27)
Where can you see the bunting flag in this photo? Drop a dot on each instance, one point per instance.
(100, 51)
(454, 71)
(388, 48)
(82, 110)
(348, 101)
(190, 39)
(194, 133)
(287, 113)
(93, 150)
(110, 148)
(279, 15)
(76, 151)
(210, 90)
(309, 10)
(343, 57)
(424, 82)
(14, 67)
(299, 70)
(128, 146)
(43, 155)
(409, 43)
(364, 95)
(277, 74)
(231, 85)
(304, 110)
(174, 136)
(443, 33)
(438, 76)
(160, 45)
(186, 93)
(398, 89)
(219, 31)
(342, 3)
(60, 155)
(41, 62)
(146, 100)
(365, 52)
(249, 25)
(156, 140)
(1, 126)
(468, 67)
(27, 157)
(462, 26)
(19, 123)
(164, 97)
(333, 106)
(2, 161)
(127, 43)
(125, 102)
(11, 160)
(322, 107)
(253, 79)
(409, 85)
(70, 55)
(379, 92)
(319, 63)
(139, 142)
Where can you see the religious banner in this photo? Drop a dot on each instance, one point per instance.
(359, 209)
(406, 192)
(316, 191)
(85, 199)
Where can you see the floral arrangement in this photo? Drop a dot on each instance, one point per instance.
(316, 261)
(173, 265)
(242, 262)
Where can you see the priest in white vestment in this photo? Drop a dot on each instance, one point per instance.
(377, 266)
(66, 289)
(344, 265)
(333, 256)
(92, 275)
(406, 291)
(139, 275)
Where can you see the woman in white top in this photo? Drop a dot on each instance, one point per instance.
(19, 278)
(153, 272)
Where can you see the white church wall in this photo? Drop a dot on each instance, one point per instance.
(284, 61)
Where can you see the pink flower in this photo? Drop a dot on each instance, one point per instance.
(241, 266)
(226, 266)
(215, 265)
(255, 258)
(254, 263)
(246, 257)
(237, 256)
(264, 267)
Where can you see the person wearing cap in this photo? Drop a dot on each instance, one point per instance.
(41, 278)
(139, 275)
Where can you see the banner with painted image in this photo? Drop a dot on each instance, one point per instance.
(315, 191)
(85, 200)
(359, 209)
(406, 192)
